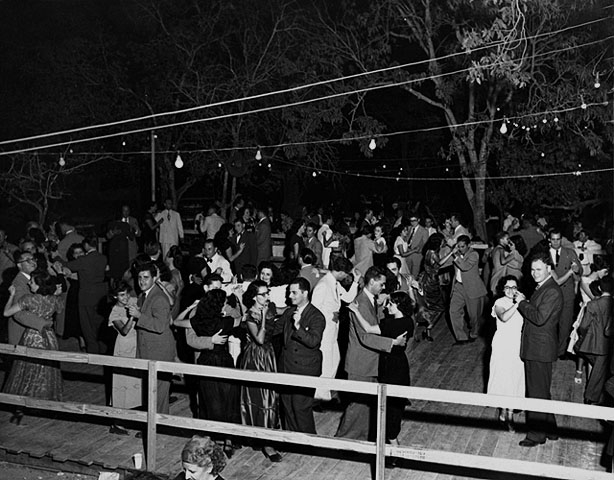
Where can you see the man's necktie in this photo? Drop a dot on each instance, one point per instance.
(141, 300)
(557, 257)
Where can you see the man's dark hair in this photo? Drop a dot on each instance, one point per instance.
(91, 240)
(341, 264)
(606, 284)
(307, 256)
(464, 239)
(373, 273)
(394, 260)
(544, 256)
(302, 283)
(313, 226)
(212, 277)
(249, 272)
(147, 267)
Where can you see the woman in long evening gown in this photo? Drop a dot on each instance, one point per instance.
(219, 398)
(28, 376)
(260, 405)
(506, 367)
(430, 293)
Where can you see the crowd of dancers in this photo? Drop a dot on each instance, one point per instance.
(361, 288)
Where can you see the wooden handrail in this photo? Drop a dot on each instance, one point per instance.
(382, 391)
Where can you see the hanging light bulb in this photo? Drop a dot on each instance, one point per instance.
(556, 119)
(219, 164)
(269, 166)
(583, 106)
(543, 155)
(314, 174)
(597, 84)
(178, 161)
(503, 128)
(62, 162)
(372, 144)
(123, 144)
(258, 155)
(384, 166)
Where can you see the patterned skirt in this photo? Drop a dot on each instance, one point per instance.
(35, 377)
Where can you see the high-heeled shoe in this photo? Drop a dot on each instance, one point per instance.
(426, 335)
(16, 418)
(273, 457)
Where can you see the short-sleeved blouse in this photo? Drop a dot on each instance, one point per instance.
(43, 306)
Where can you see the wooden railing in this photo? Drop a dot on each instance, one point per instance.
(379, 448)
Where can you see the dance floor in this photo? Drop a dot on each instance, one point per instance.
(86, 440)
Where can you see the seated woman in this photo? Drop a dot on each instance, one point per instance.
(201, 459)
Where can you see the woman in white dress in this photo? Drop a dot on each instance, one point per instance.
(401, 248)
(506, 367)
(126, 388)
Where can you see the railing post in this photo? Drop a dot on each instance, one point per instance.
(380, 441)
(152, 410)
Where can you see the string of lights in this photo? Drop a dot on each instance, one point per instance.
(299, 87)
(293, 104)
(512, 120)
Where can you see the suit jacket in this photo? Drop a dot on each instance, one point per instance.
(155, 339)
(91, 270)
(316, 247)
(567, 256)
(418, 240)
(301, 351)
(66, 242)
(263, 240)
(541, 314)
(596, 323)
(362, 356)
(249, 254)
(22, 320)
(470, 275)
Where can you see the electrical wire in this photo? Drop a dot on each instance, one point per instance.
(292, 89)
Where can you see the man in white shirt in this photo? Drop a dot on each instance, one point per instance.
(327, 296)
(455, 221)
(171, 228)
(585, 249)
(216, 262)
(325, 235)
(210, 224)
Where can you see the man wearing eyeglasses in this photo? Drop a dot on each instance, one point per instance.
(26, 264)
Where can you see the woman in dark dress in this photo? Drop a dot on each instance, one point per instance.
(393, 366)
(201, 459)
(260, 405)
(219, 398)
(149, 233)
(72, 326)
(431, 306)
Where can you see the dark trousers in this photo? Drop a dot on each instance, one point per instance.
(599, 373)
(298, 410)
(91, 323)
(538, 378)
(566, 319)
(358, 416)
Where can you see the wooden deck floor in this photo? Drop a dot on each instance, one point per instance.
(427, 424)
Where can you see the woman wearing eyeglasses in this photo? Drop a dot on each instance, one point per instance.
(506, 367)
(260, 405)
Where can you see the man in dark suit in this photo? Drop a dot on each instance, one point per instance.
(418, 236)
(362, 358)
(302, 326)
(565, 272)
(595, 331)
(263, 237)
(539, 346)
(26, 264)
(93, 289)
(155, 339)
(244, 249)
(468, 292)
